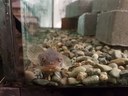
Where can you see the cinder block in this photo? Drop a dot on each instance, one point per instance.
(108, 5)
(112, 28)
(78, 7)
(87, 24)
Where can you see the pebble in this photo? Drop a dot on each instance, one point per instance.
(81, 58)
(120, 61)
(113, 65)
(64, 48)
(72, 81)
(80, 53)
(121, 68)
(88, 61)
(81, 76)
(87, 66)
(115, 72)
(95, 56)
(59, 44)
(91, 80)
(98, 47)
(64, 81)
(93, 71)
(103, 76)
(106, 48)
(57, 77)
(126, 53)
(105, 68)
(117, 54)
(76, 71)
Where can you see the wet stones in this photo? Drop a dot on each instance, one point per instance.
(86, 62)
(117, 54)
(115, 72)
(91, 80)
(76, 71)
(103, 76)
(72, 81)
(120, 61)
(105, 68)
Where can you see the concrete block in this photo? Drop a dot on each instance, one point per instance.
(108, 5)
(87, 24)
(78, 7)
(112, 28)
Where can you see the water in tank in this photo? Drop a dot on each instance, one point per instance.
(74, 42)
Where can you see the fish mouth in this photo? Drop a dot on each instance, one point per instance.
(50, 68)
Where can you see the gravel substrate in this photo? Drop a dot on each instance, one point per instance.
(87, 61)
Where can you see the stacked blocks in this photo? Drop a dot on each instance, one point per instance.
(112, 21)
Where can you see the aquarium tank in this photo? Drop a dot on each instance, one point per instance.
(77, 43)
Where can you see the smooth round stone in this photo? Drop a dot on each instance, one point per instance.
(121, 68)
(113, 65)
(95, 56)
(117, 54)
(72, 81)
(93, 71)
(120, 61)
(115, 72)
(64, 81)
(88, 62)
(107, 47)
(59, 44)
(87, 66)
(81, 76)
(57, 77)
(103, 76)
(64, 48)
(81, 58)
(76, 71)
(105, 68)
(126, 53)
(91, 80)
(80, 53)
(99, 47)
(71, 55)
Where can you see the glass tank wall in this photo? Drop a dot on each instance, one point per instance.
(85, 54)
